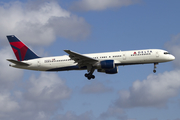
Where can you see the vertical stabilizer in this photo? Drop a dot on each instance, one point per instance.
(21, 51)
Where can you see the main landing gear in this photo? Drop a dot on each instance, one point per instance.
(155, 67)
(90, 74)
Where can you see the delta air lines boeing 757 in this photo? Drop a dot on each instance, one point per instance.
(106, 62)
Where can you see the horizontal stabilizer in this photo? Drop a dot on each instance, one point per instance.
(18, 62)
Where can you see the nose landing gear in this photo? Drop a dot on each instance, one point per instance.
(155, 67)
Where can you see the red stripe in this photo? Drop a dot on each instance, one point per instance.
(17, 44)
(23, 49)
(23, 52)
(16, 53)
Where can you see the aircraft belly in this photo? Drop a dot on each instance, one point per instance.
(59, 67)
(75, 67)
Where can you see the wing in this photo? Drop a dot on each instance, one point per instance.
(82, 60)
(18, 62)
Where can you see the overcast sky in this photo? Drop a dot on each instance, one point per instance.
(88, 26)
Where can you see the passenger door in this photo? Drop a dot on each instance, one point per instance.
(157, 54)
(38, 63)
(124, 56)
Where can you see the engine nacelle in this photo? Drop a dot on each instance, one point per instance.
(109, 71)
(107, 64)
(112, 71)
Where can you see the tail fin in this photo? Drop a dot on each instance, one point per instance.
(21, 51)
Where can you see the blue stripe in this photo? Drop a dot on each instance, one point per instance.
(12, 38)
(68, 68)
(30, 55)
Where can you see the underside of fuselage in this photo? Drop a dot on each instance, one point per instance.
(74, 67)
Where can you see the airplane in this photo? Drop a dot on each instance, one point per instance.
(106, 62)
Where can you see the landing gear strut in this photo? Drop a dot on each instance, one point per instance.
(155, 67)
(90, 74)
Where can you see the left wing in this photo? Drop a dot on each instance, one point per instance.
(82, 60)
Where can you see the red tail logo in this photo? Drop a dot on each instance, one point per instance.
(21, 51)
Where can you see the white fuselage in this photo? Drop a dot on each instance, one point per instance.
(62, 63)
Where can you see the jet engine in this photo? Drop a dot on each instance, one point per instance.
(109, 71)
(106, 64)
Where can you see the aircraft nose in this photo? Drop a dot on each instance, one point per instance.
(172, 57)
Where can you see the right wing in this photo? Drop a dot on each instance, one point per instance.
(18, 62)
(82, 60)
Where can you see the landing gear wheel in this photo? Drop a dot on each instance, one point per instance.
(90, 70)
(86, 75)
(92, 76)
(155, 67)
(89, 78)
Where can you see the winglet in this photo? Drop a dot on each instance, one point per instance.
(67, 51)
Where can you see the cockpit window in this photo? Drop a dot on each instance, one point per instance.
(166, 53)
